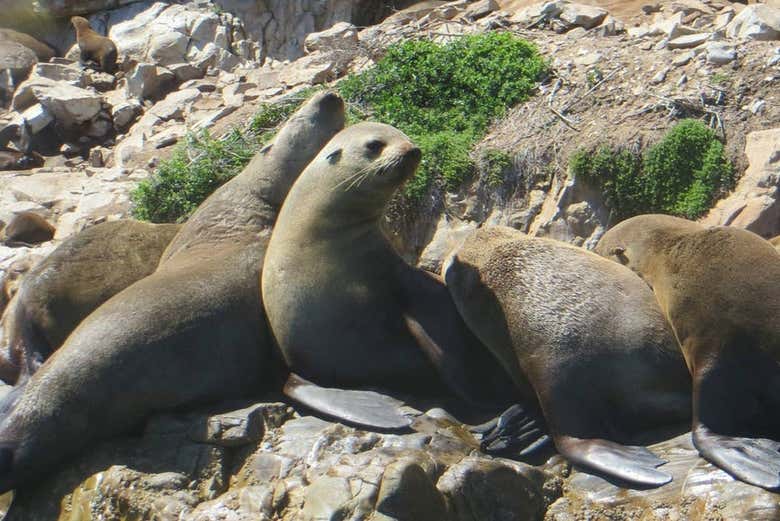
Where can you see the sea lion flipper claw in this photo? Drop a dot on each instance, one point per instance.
(753, 460)
(515, 431)
(631, 464)
(363, 408)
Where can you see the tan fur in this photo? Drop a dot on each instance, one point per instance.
(27, 228)
(78, 276)
(93, 46)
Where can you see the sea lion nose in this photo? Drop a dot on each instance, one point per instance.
(413, 153)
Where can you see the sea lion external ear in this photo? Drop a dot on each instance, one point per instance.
(334, 156)
(620, 253)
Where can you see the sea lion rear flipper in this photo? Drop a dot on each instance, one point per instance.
(752, 460)
(632, 464)
(363, 408)
(514, 432)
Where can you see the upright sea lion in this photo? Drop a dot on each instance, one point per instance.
(93, 46)
(78, 276)
(42, 51)
(720, 289)
(191, 332)
(343, 306)
(13, 160)
(775, 241)
(581, 335)
(27, 228)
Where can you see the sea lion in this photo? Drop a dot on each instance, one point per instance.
(13, 160)
(191, 332)
(42, 51)
(775, 241)
(93, 46)
(13, 277)
(27, 228)
(344, 308)
(581, 335)
(78, 276)
(720, 290)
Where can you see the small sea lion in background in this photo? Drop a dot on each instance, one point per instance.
(84, 271)
(42, 51)
(26, 229)
(190, 333)
(93, 46)
(720, 289)
(581, 335)
(13, 160)
(345, 309)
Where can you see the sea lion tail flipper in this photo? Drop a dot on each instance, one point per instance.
(515, 431)
(632, 464)
(363, 408)
(753, 460)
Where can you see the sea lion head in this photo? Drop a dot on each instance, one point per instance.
(363, 165)
(309, 129)
(79, 23)
(636, 242)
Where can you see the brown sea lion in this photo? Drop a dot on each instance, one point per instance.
(42, 51)
(720, 289)
(582, 336)
(78, 276)
(192, 332)
(27, 228)
(343, 306)
(775, 241)
(13, 277)
(93, 46)
(13, 160)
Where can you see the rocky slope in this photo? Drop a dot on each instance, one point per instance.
(622, 74)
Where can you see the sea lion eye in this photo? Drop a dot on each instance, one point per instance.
(334, 156)
(375, 146)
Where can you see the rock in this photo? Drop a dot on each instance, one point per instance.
(450, 233)
(234, 94)
(168, 48)
(209, 117)
(69, 105)
(610, 27)
(579, 15)
(37, 118)
(176, 104)
(756, 22)
(312, 69)
(13, 128)
(689, 41)
(17, 58)
(699, 491)
(723, 19)
(757, 107)
(720, 53)
(478, 489)
(232, 429)
(660, 76)
(683, 59)
(342, 35)
(66, 8)
(408, 492)
(100, 81)
(479, 9)
(753, 205)
(64, 73)
(185, 72)
(168, 137)
(149, 81)
(125, 113)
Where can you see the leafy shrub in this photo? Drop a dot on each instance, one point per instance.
(682, 175)
(494, 164)
(201, 164)
(444, 96)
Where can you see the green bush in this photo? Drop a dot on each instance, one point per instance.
(201, 164)
(494, 165)
(444, 96)
(681, 175)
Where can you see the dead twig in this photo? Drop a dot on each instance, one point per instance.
(565, 120)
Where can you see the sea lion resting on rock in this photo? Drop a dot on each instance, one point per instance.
(191, 332)
(42, 51)
(78, 276)
(93, 46)
(26, 229)
(13, 160)
(720, 289)
(582, 336)
(775, 241)
(343, 306)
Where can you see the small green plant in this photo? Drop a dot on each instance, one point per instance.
(683, 174)
(494, 164)
(445, 96)
(719, 78)
(201, 164)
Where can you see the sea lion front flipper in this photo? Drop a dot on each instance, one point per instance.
(514, 432)
(632, 464)
(363, 408)
(753, 460)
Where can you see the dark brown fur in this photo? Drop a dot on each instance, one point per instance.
(13, 160)
(93, 46)
(27, 228)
